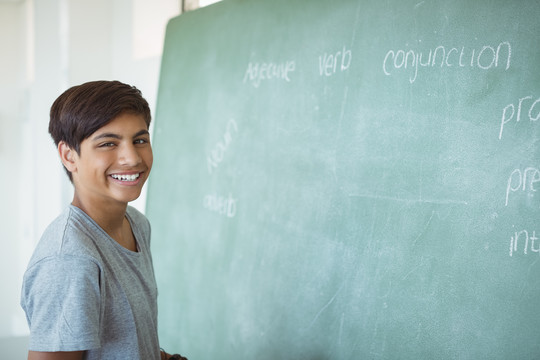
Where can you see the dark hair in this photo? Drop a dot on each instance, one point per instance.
(82, 110)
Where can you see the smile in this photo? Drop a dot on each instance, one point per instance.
(120, 177)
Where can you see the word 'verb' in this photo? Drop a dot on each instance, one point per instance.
(328, 63)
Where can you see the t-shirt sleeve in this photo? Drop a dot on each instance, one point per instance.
(61, 298)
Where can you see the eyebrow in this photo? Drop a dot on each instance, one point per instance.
(116, 136)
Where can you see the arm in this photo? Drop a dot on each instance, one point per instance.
(55, 296)
(75, 355)
(167, 356)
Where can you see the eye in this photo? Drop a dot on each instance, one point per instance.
(106, 145)
(141, 141)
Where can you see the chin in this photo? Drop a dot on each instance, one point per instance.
(124, 198)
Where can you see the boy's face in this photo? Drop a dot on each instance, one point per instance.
(114, 162)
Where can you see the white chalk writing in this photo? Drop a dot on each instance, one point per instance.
(222, 205)
(522, 181)
(216, 155)
(258, 72)
(486, 58)
(328, 63)
(510, 110)
(524, 239)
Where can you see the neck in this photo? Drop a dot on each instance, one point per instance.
(110, 217)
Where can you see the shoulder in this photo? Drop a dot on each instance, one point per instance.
(135, 214)
(140, 226)
(70, 234)
(138, 219)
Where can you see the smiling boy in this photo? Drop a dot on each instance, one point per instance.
(89, 291)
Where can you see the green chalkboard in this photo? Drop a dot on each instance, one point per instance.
(349, 180)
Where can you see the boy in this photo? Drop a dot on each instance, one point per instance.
(89, 291)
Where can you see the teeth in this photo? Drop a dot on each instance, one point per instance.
(126, 177)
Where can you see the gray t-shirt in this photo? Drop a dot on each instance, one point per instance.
(84, 291)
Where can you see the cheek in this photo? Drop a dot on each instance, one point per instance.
(101, 164)
(149, 158)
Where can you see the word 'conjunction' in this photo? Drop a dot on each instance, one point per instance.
(486, 58)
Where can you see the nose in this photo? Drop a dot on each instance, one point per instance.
(129, 155)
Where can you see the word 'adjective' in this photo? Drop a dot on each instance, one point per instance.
(527, 239)
(258, 72)
(328, 63)
(222, 205)
(218, 152)
(522, 181)
(510, 110)
(486, 58)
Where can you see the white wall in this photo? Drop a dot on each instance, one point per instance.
(45, 47)
(12, 114)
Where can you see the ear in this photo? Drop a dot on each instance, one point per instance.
(67, 156)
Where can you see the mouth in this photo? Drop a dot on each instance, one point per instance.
(126, 178)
